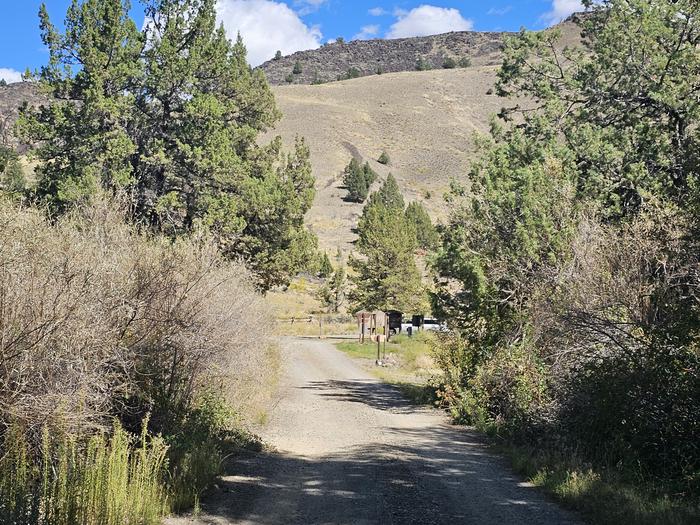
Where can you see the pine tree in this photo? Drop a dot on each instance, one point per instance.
(384, 158)
(297, 70)
(278, 55)
(326, 268)
(426, 235)
(172, 115)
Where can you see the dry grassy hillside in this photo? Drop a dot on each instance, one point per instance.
(424, 120)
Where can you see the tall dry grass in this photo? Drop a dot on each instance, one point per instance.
(103, 480)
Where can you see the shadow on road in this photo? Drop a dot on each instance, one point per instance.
(442, 475)
(413, 469)
(372, 393)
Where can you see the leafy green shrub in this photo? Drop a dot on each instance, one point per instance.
(422, 65)
(289, 78)
(638, 410)
(207, 434)
(449, 63)
(511, 389)
(353, 72)
(465, 62)
(384, 158)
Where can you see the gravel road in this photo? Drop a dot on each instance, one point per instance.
(352, 450)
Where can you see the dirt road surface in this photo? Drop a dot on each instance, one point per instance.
(351, 450)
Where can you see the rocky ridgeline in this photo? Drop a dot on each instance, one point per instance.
(370, 57)
(12, 97)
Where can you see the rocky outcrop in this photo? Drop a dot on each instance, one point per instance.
(12, 98)
(370, 57)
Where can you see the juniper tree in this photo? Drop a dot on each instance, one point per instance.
(355, 181)
(389, 195)
(171, 115)
(426, 235)
(369, 173)
(12, 180)
(608, 140)
(325, 268)
(332, 294)
(449, 63)
(386, 273)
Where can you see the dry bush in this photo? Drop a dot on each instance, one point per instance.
(620, 288)
(97, 320)
(618, 321)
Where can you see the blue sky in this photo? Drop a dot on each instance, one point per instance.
(292, 25)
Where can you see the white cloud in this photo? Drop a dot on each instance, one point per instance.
(267, 26)
(428, 20)
(10, 75)
(367, 32)
(308, 6)
(562, 9)
(499, 11)
(377, 11)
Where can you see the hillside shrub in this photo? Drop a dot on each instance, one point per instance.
(449, 63)
(422, 65)
(384, 158)
(297, 69)
(465, 62)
